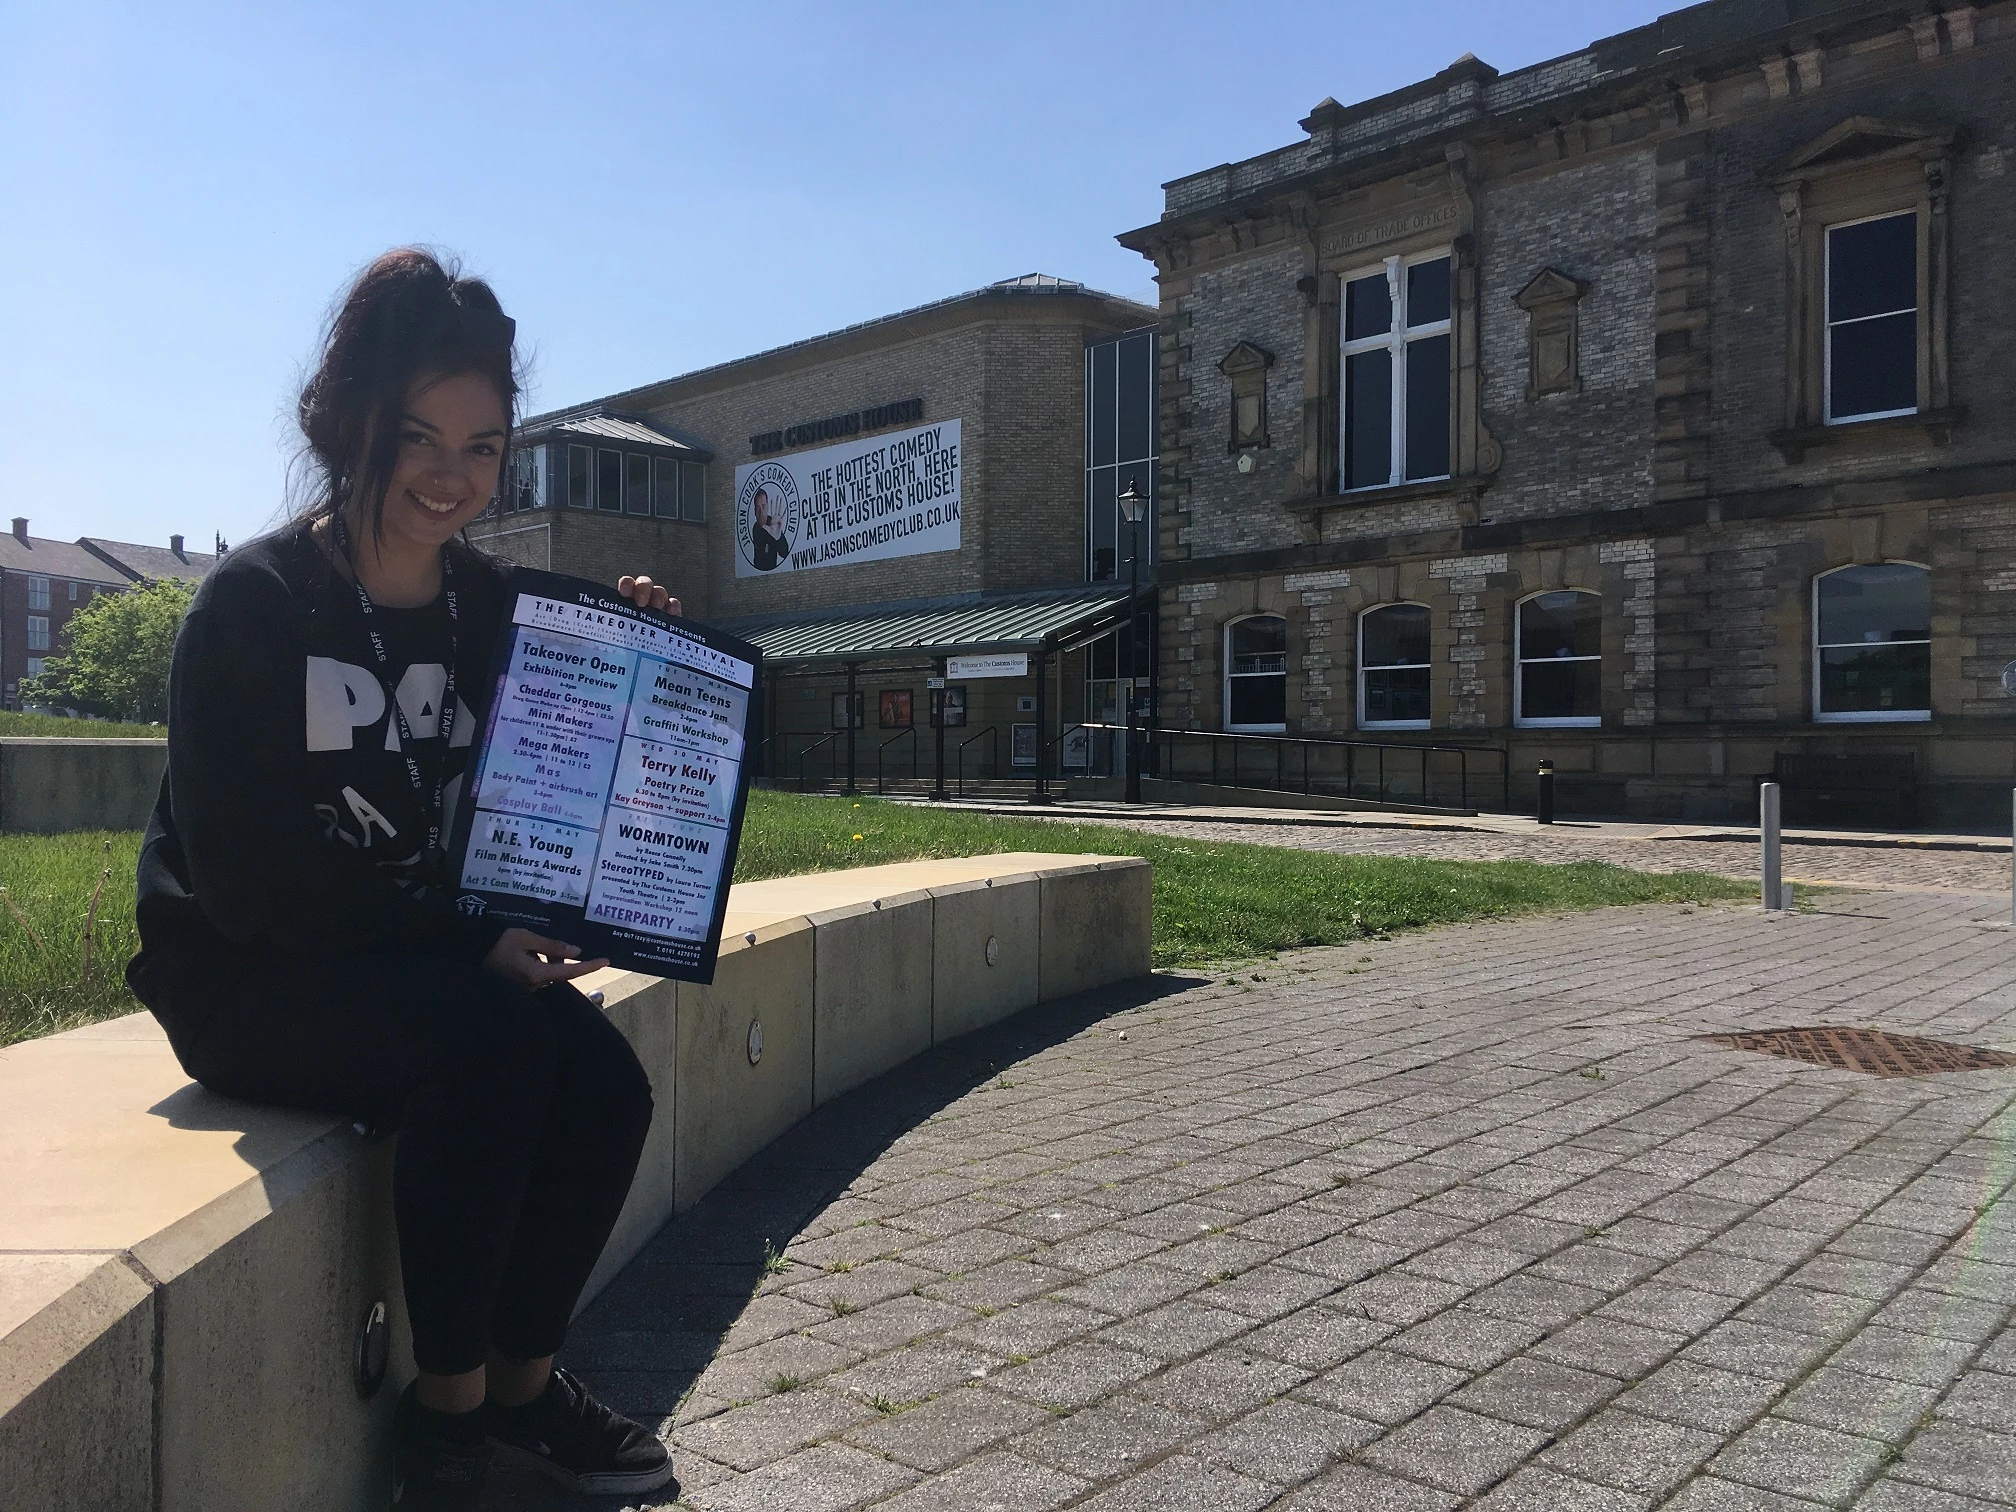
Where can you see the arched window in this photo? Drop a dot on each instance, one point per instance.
(1560, 651)
(1872, 643)
(1256, 673)
(1393, 667)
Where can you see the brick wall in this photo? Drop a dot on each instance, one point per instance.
(1570, 452)
(1253, 300)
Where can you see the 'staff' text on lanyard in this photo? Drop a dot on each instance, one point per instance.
(407, 746)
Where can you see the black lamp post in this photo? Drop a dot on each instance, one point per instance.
(1134, 505)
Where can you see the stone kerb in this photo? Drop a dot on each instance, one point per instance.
(181, 1276)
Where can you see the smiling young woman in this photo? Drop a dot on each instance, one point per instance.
(299, 942)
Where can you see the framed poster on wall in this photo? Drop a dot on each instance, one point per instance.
(1077, 748)
(895, 708)
(948, 707)
(1023, 746)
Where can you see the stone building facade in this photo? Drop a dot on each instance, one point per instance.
(1664, 388)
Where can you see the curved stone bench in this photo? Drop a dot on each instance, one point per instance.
(182, 1276)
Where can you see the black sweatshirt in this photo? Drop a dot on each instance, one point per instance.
(288, 822)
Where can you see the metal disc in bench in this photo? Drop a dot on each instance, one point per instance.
(373, 1350)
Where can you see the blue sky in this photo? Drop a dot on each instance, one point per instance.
(651, 188)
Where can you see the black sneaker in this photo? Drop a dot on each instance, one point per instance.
(584, 1445)
(440, 1459)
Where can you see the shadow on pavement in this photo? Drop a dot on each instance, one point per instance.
(657, 1326)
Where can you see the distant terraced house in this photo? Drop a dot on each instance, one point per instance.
(44, 582)
(1651, 410)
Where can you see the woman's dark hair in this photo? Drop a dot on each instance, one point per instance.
(407, 318)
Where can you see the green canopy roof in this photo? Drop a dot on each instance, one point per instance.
(1016, 622)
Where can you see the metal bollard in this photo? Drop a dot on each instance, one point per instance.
(1767, 826)
(1546, 815)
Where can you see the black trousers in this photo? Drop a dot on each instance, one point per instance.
(520, 1117)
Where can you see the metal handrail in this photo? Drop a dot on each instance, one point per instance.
(911, 731)
(1350, 748)
(808, 749)
(992, 735)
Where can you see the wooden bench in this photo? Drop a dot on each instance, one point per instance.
(1870, 788)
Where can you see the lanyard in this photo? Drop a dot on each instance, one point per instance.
(407, 745)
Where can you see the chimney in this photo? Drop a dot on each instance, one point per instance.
(21, 529)
(175, 544)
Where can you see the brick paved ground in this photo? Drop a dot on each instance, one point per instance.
(1854, 865)
(1466, 1217)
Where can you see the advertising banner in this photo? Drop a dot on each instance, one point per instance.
(609, 779)
(861, 501)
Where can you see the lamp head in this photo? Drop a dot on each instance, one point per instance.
(1133, 503)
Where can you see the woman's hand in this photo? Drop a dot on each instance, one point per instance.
(533, 961)
(646, 594)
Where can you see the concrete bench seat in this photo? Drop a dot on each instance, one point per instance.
(182, 1276)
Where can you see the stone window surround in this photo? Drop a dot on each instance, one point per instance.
(1860, 169)
(1869, 716)
(1520, 720)
(1441, 218)
(1226, 674)
(1552, 301)
(1246, 366)
(1359, 669)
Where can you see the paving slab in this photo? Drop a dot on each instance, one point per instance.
(1342, 1233)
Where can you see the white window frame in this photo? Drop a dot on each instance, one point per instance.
(1827, 324)
(1254, 729)
(1364, 721)
(38, 632)
(73, 590)
(1520, 662)
(34, 666)
(38, 591)
(1395, 340)
(1816, 646)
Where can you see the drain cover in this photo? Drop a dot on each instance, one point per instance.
(1871, 1051)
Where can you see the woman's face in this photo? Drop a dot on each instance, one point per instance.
(451, 441)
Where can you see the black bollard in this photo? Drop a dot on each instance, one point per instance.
(1546, 792)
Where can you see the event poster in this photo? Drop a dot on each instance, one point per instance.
(609, 785)
(893, 495)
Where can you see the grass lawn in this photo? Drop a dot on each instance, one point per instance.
(77, 729)
(1212, 902)
(48, 979)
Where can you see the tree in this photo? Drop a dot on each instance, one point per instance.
(120, 646)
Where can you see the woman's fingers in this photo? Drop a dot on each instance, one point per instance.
(553, 950)
(547, 974)
(646, 594)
